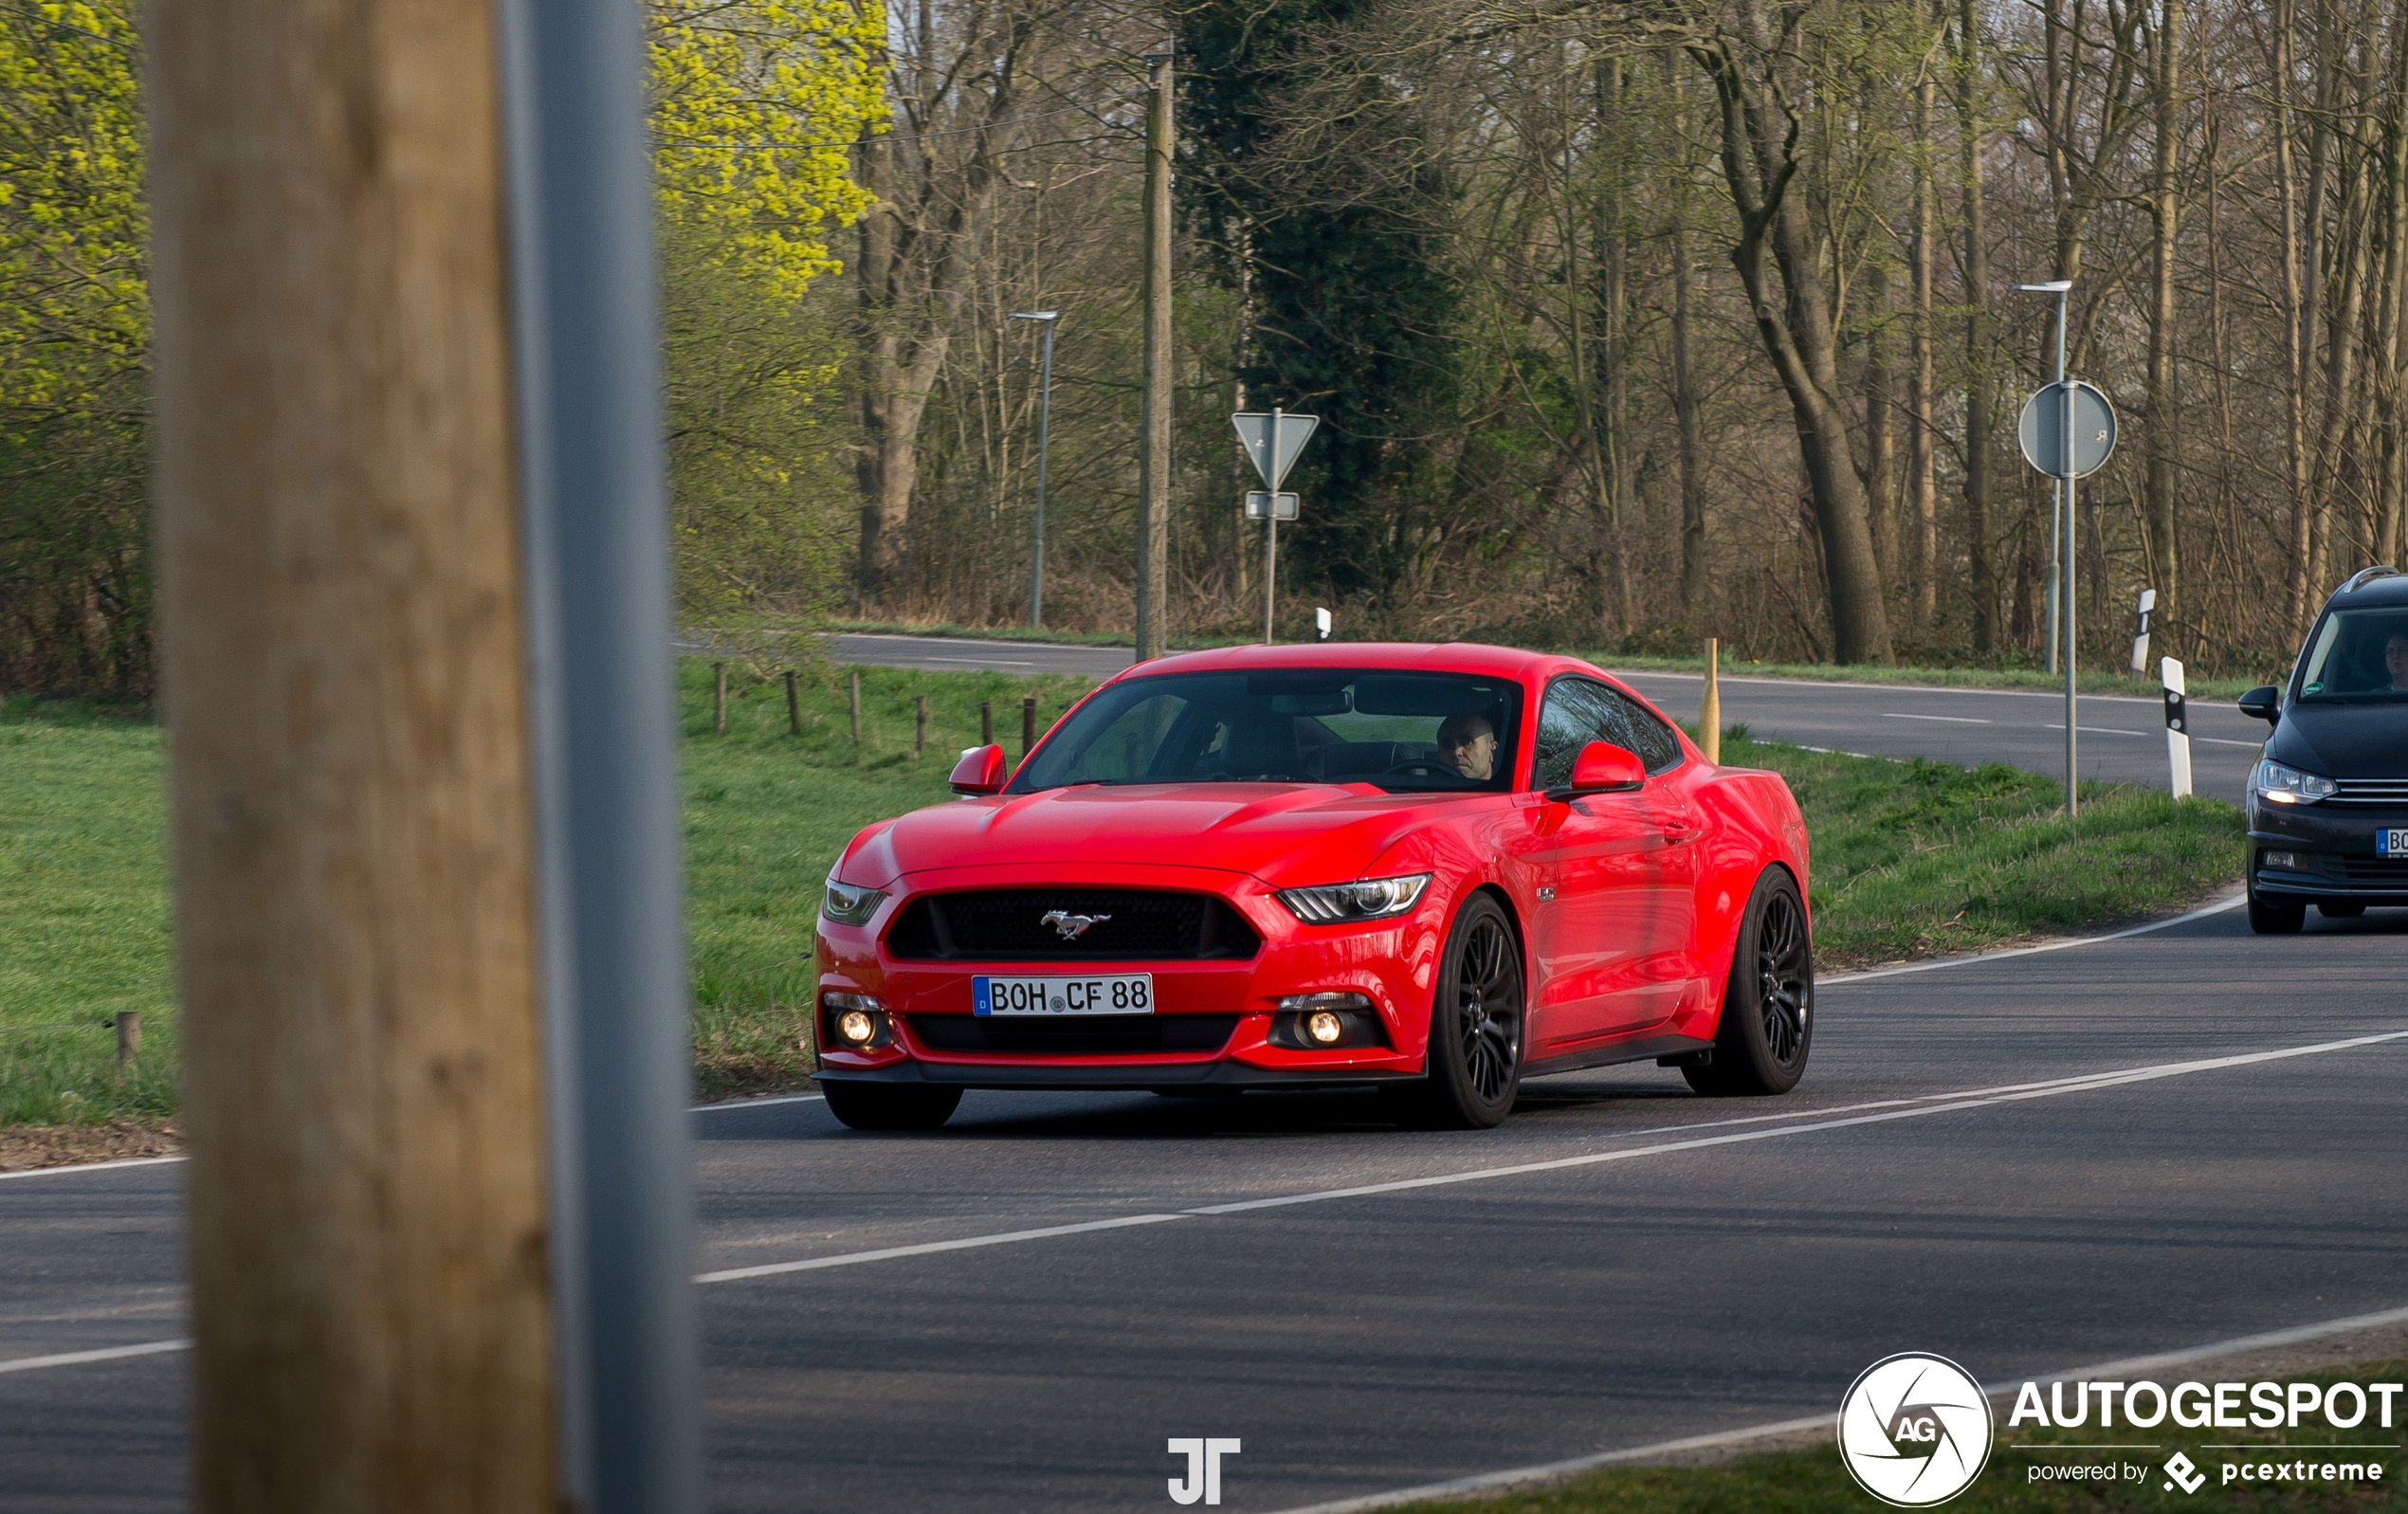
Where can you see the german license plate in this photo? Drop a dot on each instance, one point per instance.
(1109, 993)
(2391, 843)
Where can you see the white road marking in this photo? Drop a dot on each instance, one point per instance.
(78, 1358)
(2234, 902)
(2105, 1371)
(2218, 741)
(2097, 730)
(1953, 719)
(1808, 1123)
(982, 662)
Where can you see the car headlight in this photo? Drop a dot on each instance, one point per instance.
(848, 905)
(1372, 899)
(2290, 785)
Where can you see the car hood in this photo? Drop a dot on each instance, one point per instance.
(1282, 833)
(2345, 740)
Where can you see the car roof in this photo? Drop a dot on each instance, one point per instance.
(2386, 588)
(1436, 657)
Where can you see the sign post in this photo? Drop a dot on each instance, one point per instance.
(1271, 443)
(2068, 432)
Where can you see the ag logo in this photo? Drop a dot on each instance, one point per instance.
(1914, 1429)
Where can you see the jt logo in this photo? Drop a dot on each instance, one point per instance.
(1203, 1470)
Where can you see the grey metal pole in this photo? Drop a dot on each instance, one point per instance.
(2065, 577)
(1270, 536)
(592, 485)
(1044, 431)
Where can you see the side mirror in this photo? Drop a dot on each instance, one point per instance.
(2265, 702)
(981, 769)
(1602, 768)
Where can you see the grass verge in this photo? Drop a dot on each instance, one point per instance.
(1811, 1480)
(1909, 859)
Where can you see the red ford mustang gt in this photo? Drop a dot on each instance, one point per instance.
(1432, 869)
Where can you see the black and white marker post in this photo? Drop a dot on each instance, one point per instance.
(2141, 634)
(2177, 730)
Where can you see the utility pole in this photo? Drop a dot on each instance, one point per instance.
(414, 603)
(359, 958)
(1044, 431)
(1154, 449)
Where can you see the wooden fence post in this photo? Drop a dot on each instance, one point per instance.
(856, 706)
(719, 699)
(1028, 726)
(986, 723)
(920, 724)
(1709, 711)
(794, 706)
(129, 1035)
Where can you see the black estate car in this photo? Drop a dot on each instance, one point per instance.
(2328, 798)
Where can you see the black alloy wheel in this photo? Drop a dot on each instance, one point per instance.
(1475, 1025)
(889, 1105)
(1768, 1007)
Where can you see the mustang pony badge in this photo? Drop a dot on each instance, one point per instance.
(1070, 926)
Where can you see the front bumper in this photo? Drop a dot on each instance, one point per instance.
(1392, 963)
(2332, 852)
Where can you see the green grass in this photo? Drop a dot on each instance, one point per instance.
(1914, 858)
(1814, 1481)
(1909, 859)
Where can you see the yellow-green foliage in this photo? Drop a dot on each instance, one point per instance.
(755, 103)
(74, 229)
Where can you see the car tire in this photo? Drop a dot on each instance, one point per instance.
(1769, 1005)
(2275, 920)
(2340, 908)
(890, 1106)
(1476, 1022)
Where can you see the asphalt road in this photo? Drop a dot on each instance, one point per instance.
(2117, 737)
(2025, 1163)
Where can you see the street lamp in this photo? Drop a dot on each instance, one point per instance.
(2061, 545)
(1045, 425)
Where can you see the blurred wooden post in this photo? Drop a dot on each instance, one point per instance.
(129, 1035)
(856, 706)
(719, 699)
(1028, 726)
(1710, 713)
(343, 639)
(919, 724)
(986, 723)
(794, 706)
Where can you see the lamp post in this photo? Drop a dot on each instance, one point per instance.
(1045, 427)
(2061, 546)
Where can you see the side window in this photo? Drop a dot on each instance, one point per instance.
(1642, 733)
(1125, 750)
(1572, 717)
(1578, 712)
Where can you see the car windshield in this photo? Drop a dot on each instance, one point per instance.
(1398, 730)
(2357, 655)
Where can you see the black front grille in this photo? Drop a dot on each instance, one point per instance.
(1098, 1035)
(1011, 925)
(2374, 869)
(2371, 791)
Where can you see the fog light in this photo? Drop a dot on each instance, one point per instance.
(1323, 1027)
(856, 1027)
(2288, 861)
(856, 1020)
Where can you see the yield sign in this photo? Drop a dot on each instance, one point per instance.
(1272, 454)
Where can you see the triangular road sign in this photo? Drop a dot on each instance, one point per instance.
(1254, 435)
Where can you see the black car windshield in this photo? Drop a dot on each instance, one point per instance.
(1398, 730)
(2357, 655)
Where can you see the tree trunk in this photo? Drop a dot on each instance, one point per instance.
(1921, 503)
(1693, 583)
(2163, 540)
(1881, 423)
(1976, 295)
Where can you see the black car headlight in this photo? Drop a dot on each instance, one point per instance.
(2284, 785)
(1372, 899)
(848, 905)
